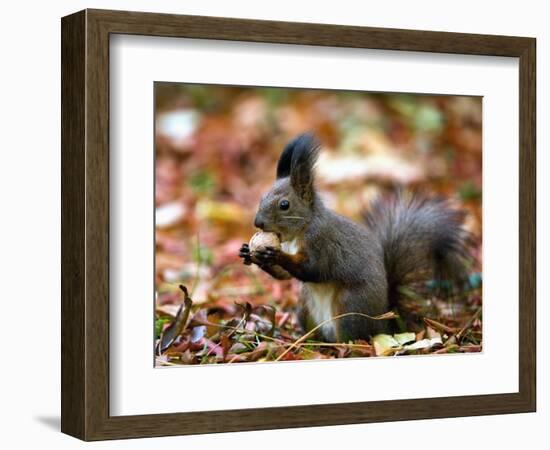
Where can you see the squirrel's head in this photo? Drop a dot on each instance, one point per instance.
(287, 209)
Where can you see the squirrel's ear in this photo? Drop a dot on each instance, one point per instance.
(305, 149)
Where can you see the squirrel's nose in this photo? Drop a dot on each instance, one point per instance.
(259, 223)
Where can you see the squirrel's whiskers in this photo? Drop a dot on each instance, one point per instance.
(293, 217)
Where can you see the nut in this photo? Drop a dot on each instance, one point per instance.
(262, 240)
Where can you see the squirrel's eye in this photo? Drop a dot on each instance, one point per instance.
(284, 205)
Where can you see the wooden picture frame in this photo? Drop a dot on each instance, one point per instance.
(85, 224)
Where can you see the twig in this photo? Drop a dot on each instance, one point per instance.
(322, 344)
(439, 326)
(386, 316)
(166, 363)
(468, 325)
(335, 344)
(199, 261)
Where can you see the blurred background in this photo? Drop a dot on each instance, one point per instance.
(216, 152)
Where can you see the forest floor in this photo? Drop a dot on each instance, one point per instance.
(216, 149)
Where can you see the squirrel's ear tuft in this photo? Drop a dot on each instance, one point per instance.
(300, 145)
(300, 154)
(285, 160)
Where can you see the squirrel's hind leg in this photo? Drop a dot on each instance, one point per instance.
(353, 327)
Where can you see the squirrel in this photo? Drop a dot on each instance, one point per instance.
(349, 267)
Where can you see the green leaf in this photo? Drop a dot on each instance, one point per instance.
(404, 338)
(384, 344)
(159, 325)
(203, 255)
(428, 118)
(469, 191)
(202, 182)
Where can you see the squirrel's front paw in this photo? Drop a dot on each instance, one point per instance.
(267, 256)
(244, 253)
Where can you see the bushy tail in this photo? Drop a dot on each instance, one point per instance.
(420, 235)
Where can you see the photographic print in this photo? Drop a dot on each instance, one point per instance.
(305, 224)
(345, 216)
